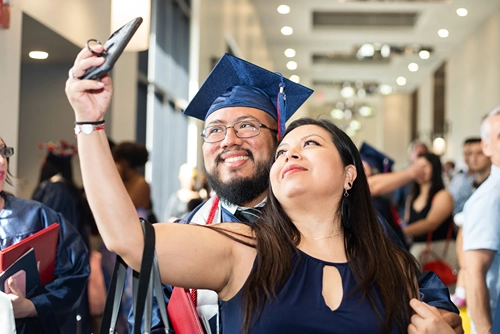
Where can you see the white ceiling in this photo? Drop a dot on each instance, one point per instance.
(306, 40)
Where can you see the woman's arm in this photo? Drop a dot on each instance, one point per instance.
(190, 256)
(441, 208)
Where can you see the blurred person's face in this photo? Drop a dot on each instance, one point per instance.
(491, 147)
(478, 162)
(426, 170)
(235, 164)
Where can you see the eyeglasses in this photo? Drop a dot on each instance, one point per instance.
(242, 129)
(6, 151)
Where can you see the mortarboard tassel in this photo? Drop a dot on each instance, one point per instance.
(281, 108)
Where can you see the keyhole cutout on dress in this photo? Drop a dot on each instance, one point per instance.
(332, 287)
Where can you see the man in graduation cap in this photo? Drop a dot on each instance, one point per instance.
(245, 108)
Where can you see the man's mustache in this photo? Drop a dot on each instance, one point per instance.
(218, 159)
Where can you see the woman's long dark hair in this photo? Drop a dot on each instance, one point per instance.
(382, 269)
(437, 183)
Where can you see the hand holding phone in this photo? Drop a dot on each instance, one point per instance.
(113, 48)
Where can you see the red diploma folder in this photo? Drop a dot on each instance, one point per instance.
(44, 243)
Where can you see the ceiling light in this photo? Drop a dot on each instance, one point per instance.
(38, 55)
(295, 78)
(366, 50)
(355, 125)
(365, 111)
(462, 12)
(347, 114)
(347, 92)
(286, 30)
(385, 89)
(439, 146)
(443, 33)
(361, 93)
(424, 54)
(290, 53)
(401, 81)
(413, 67)
(291, 65)
(337, 113)
(283, 9)
(385, 50)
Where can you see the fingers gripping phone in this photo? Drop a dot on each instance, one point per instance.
(113, 48)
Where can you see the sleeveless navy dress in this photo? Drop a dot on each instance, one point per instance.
(300, 307)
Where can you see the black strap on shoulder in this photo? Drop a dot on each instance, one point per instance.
(144, 283)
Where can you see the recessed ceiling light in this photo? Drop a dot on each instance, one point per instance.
(424, 54)
(38, 55)
(443, 33)
(385, 89)
(291, 65)
(355, 125)
(283, 9)
(365, 111)
(286, 30)
(462, 12)
(295, 78)
(385, 50)
(401, 81)
(290, 53)
(413, 67)
(337, 113)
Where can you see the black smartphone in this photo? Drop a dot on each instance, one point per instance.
(113, 47)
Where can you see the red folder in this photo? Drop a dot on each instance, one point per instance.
(44, 242)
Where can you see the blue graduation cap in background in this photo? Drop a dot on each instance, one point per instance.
(235, 82)
(375, 158)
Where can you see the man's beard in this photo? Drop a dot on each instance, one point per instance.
(241, 190)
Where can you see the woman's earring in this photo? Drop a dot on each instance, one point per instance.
(346, 194)
(350, 184)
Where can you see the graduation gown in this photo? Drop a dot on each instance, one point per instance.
(56, 301)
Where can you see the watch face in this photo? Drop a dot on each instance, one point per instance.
(87, 128)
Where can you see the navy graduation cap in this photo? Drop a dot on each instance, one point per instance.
(235, 82)
(375, 158)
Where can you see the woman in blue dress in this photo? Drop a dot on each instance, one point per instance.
(49, 309)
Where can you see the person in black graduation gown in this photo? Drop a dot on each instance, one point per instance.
(49, 309)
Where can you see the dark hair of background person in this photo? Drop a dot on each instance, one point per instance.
(436, 178)
(369, 252)
(472, 140)
(9, 175)
(54, 165)
(136, 155)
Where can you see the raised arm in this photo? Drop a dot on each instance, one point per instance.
(387, 182)
(190, 256)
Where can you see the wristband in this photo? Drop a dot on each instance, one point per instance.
(91, 123)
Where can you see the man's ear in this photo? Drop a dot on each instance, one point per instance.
(350, 176)
(485, 146)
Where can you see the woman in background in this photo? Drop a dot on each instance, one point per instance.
(429, 211)
(49, 309)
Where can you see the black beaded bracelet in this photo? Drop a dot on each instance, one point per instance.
(91, 123)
